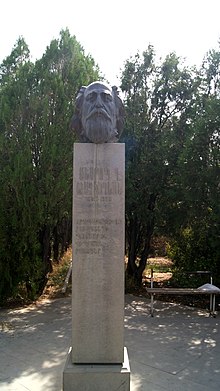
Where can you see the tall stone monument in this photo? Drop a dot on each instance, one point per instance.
(97, 359)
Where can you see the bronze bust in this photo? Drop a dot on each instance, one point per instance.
(99, 115)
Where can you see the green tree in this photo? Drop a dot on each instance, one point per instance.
(196, 201)
(157, 98)
(17, 206)
(36, 105)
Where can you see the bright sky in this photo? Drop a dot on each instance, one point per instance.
(111, 31)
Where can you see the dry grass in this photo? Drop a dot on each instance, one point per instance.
(52, 289)
(161, 267)
(57, 277)
(159, 261)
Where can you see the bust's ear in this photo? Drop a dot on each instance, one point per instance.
(81, 92)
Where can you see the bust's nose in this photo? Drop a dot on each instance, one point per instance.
(99, 102)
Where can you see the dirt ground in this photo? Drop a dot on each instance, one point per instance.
(56, 280)
(161, 270)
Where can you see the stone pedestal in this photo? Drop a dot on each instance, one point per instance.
(97, 353)
(96, 377)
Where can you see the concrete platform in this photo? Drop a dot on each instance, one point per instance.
(96, 377)
(176, 350)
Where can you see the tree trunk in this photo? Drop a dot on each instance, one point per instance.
(134, 269)
(148, 236)
(46, 257)
(132, 255)
(55, 245)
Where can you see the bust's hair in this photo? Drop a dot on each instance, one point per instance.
(76, 122)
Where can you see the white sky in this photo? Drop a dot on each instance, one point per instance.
(113, 30)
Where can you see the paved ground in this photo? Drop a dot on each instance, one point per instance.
(177, 350)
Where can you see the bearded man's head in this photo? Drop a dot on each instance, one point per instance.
(99, 115)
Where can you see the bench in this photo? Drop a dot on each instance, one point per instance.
(206, 289)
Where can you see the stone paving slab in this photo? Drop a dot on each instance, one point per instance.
(176, 350)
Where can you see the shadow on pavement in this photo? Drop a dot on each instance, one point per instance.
(33, 343)
(176, 350)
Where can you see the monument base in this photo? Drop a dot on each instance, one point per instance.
(96, 377)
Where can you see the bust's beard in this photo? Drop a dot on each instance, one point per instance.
(99, 129)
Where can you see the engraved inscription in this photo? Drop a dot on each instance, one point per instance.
(98, 181)
(92, 173)
(92, 236)
(98, 190)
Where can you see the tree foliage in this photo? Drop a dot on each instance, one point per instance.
(36, 105)
(196, 239)
(172, 137)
